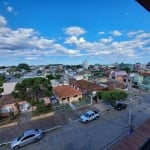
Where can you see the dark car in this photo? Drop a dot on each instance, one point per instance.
(120, 106)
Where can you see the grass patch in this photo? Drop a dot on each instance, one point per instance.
(61, 107)
(82, 102)
(5, 147)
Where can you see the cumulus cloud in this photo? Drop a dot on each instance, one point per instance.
(107, 40)
(3, 21)
(75, 40)
(134, 33)
(116, 33)
(74, 31)
(28, 44)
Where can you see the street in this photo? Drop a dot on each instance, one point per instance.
(78, 136)
(91, 136)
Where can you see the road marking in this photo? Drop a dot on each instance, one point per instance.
(74, 120)
(51, 129)
(6, 143)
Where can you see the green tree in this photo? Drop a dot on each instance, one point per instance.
(32, 89)
(40, 107)
(2, 80)
(127, 69)
(112, 96)
(58, 76)
(23, 66)
(50, 77)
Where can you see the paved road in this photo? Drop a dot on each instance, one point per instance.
(91, 136)
(94, 135)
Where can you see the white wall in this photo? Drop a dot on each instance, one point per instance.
(8, 87)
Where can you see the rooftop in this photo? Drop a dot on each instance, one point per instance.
(64, 91)
(88, 86)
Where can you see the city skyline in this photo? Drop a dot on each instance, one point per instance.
(69, 32)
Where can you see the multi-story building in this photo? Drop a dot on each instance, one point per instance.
(142, 80)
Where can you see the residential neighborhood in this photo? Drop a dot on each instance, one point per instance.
(68, 92)
(74, 75)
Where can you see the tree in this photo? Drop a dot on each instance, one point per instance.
(23, 66)
(50, 77)
(112, 96)
(127, 69)
(2, 80)
(32, 89)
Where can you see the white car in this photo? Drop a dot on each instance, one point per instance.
(88, 116)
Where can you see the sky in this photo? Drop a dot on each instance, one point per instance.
(41, 32)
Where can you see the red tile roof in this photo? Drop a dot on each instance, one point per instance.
(66, 91)
(115, 84)
(8, 99)
(136, 139)
(146, 74)
(88, 86)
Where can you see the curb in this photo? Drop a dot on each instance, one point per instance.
(45, 131)
(6, 143)
(51, 129)
(73, 120)
(32, 119)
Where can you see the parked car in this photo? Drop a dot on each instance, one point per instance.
(27, 137)
(120, 106)
(88, 116)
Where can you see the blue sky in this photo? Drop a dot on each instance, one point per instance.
(71, 31)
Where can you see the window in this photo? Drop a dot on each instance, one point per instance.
(75, 96)
(6, 109)
(28, 137)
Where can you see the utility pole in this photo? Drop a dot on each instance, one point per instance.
(91, 99)
(130, 121)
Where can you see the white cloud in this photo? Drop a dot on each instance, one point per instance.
(143, 36)
(116, 33)
(107, 40)
(32, 58)
(101, 33)
(134, 33)
(75, 40)
(3, 21)
(11, 10)
(27, 43)
(74, 31)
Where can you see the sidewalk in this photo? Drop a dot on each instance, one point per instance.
(102, 107)
(32, 119)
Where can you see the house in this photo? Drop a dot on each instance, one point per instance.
(112, 84)
(142, 80)
(118, 75)
(101, 79)
(85, 74)
(8, 105)
(137, 66)
(8, 87)
(67, 94)
(85, 87)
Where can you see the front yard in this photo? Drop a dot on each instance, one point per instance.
(83, 102)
